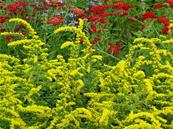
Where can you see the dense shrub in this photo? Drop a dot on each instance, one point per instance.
(79, 91)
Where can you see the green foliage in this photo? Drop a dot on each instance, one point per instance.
(81, 91)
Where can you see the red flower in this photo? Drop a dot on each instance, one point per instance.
(93, 18)
(123, 6)
(16, 6)
(96, 39)
(117, 13)
(102, 21)
(165, 30)
(56, 20)
(170, 1)
(93, 29)
(114, 48)
(163, 20)
(24, 33)
(81, 40)
(119, 5)
(18, 27)
(9, 37)
(97, 9)
(148, 15)
(158, 5)
(38, 7)
(52, 3)
(2, 19)
(77, 11)
(104, 14)
(22, 11)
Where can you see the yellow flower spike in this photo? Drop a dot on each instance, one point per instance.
(11, 33)
(24, 41)
(105, 117)
(149, 88)
(145, 115)
(139, 40)
(32, 32)
(139, 74)
(171, 25)
(81, 23)
(97, 57)
(162, 37)
(76, 30)
(170, 41)
(67, 44)
(155, 40)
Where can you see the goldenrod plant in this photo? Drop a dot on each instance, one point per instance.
(82, 92)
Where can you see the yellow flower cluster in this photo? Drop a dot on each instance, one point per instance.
(32, 32)
(81, 91)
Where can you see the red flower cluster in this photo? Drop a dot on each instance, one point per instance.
(169, 1)
(93, 29)
(114, 48)
(165, 30)
(158, 5)
(34, 5)
(98, 14)
(98, 9)
(56, 20)
(9, 37)
(16, 6)
(160, 20)
(52, 3)
(78, 12)
(123, 7)
(2, 19)
(165, 21)
(148, 15)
